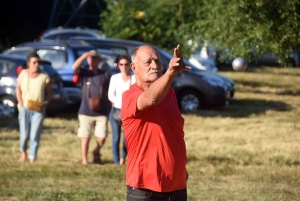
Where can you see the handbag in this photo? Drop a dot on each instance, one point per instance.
(116, 114)
(34, 105)
(94, 101)
(31, 104)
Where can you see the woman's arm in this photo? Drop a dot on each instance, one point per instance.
(49, 93)
(19, 94)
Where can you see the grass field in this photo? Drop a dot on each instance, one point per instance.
(248, 150)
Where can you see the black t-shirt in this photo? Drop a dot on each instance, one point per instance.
(96, 82)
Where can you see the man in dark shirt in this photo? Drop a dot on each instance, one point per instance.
(95, 83)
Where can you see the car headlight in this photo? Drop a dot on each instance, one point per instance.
(6, 81)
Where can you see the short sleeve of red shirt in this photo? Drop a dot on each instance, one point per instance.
(155, 143)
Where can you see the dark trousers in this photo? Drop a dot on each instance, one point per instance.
(137, 194)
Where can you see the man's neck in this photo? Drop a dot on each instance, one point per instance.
(94, 69)
(143, 86)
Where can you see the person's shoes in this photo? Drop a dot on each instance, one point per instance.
(97, 158)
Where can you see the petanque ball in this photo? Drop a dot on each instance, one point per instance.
(239, 64)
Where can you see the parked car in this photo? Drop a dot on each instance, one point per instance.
(267, 58)
(10, 67)
(194, 89)
(62, 56)
(62, 33)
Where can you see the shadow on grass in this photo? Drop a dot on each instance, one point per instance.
(9, 124)
(256, 86)
(244, 108)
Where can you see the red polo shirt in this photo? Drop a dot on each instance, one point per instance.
(155, 143)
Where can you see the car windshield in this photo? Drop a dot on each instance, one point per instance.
(170, 56)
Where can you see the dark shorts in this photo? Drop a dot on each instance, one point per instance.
(138, 194)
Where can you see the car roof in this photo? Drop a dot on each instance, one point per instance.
(73, 44)
(61, 29)
(109, 40)
(18, 58)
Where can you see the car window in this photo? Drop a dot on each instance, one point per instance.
(166, 57)
(118, 50)
(58, 58)
(6, 67)
(47, 68)
(51, 37)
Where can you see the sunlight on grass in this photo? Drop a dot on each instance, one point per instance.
(248, 150)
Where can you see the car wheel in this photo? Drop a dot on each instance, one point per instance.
(8, 107)
(190, 100)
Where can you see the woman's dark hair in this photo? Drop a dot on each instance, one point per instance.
(119, 58)
(32, 55)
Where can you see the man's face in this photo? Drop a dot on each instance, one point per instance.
(147, 67)
(93, 61)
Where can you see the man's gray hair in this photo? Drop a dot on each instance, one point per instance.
(133, 55)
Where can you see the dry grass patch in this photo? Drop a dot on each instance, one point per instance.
(248, 150)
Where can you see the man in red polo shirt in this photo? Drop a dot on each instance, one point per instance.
(153, 126)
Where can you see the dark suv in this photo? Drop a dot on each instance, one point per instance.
(194, 89)
(62, 56)
(10, 67)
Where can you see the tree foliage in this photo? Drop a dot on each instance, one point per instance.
(244, 26)
(163, 23)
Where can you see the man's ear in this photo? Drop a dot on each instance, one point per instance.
(132, 66)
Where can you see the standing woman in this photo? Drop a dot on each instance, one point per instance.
(30, 91)
(118, 84)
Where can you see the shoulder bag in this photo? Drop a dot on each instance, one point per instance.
(94, 101)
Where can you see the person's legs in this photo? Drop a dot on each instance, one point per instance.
(116, 131)
(36, 126)
(124, 151)
(85, 127)
(24, 119)
(101, 134)
(84, 150)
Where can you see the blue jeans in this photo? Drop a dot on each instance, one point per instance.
(31, 125)
(116, 137)
(137, 194)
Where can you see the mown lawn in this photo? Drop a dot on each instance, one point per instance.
(248, 150)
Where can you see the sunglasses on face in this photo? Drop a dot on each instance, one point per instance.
(123, 64)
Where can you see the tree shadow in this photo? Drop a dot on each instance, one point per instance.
(244, 108)
(9, 124)
(256, 88)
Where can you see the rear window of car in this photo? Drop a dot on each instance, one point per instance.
(58, 58)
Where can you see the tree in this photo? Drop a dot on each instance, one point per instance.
(162, 23)
(247, 27)
(254, 25)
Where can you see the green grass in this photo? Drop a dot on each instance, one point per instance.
(248, 150)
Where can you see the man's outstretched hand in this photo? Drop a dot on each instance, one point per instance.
(176, 64)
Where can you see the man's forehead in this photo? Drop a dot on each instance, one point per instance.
(147, 52)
